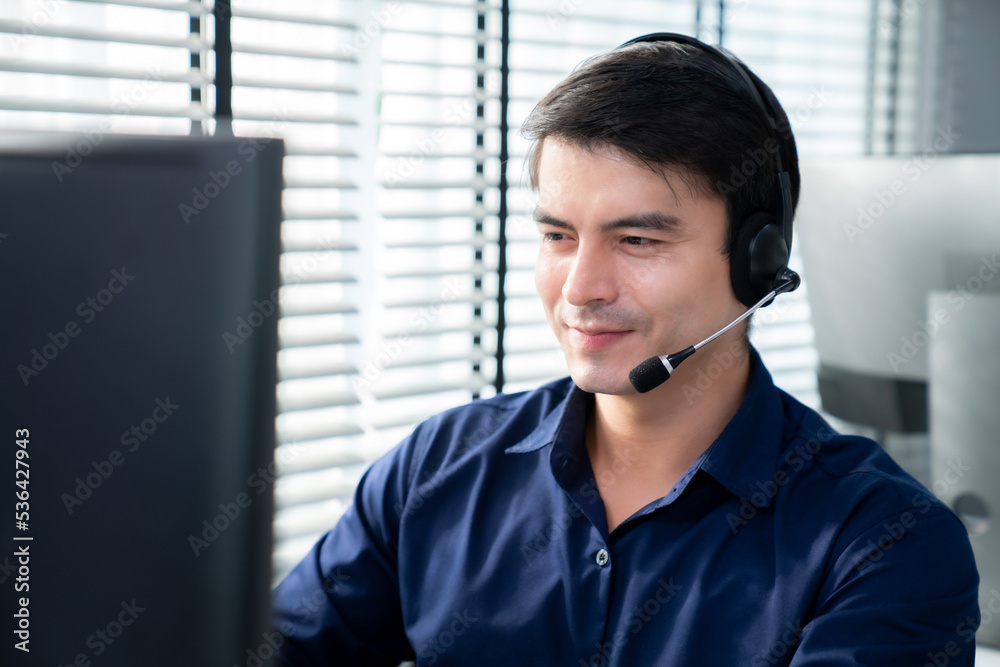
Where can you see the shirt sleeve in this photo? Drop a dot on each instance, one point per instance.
(903, 593)
(341, 604)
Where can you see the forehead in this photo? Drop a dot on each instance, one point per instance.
(563, 170)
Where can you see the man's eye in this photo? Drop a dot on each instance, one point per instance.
(553, 236)
(637, 240)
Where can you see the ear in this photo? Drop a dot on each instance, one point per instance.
(759, 253)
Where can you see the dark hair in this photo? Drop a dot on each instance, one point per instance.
(674, 107)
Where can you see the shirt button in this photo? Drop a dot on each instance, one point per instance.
(602, 557)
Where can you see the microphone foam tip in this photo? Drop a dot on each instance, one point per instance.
(648, 375)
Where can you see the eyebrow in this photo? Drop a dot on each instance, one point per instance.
(653, 220)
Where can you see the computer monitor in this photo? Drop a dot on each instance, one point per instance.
(877, 236)
(139, 303)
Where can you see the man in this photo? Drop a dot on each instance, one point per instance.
(713, 519)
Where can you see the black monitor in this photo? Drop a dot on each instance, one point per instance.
(137, 398)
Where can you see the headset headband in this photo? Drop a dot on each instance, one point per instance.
(783, 207)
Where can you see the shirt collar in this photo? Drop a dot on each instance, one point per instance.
(570, 413)
(743, 458)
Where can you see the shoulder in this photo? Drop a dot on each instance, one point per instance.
(487, 415)
(485, 426)
(883, 535)
(851, 464)
(849, 489)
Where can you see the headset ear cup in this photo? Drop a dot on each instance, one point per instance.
(740, 259)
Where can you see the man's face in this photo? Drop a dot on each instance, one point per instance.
(629, 267)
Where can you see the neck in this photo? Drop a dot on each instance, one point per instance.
(668, 428)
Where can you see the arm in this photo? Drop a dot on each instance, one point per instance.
(341, 603)
(902, 593)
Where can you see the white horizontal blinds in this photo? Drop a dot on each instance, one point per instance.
(548, 40)
(296, 75)
(902, 69)
(103, 67)
(432, 317)
(816, 59)
(389, 239)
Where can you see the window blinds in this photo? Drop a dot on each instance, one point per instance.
(392, 239)
(815, 58)
(390, 259)
(299, 72)
(103, 67)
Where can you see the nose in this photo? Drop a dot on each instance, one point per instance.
(591, 276)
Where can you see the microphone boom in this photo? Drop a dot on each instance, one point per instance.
(653, 372)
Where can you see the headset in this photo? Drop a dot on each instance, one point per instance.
(758, 264)
(763, 241)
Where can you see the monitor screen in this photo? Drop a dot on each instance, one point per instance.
(139, 335)
(878, 235)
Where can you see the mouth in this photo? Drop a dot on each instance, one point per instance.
(595, 340)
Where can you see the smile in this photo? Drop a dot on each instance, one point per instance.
(594, 340)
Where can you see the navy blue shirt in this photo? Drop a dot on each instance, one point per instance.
(482, 540)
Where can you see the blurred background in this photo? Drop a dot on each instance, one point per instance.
(408, 246)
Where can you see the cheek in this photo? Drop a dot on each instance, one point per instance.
(651, 273)
(718, 274)
(547, 279)
(680, 289)
(658, 279)
(709, 273)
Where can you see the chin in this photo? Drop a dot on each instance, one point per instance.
(598, 380)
